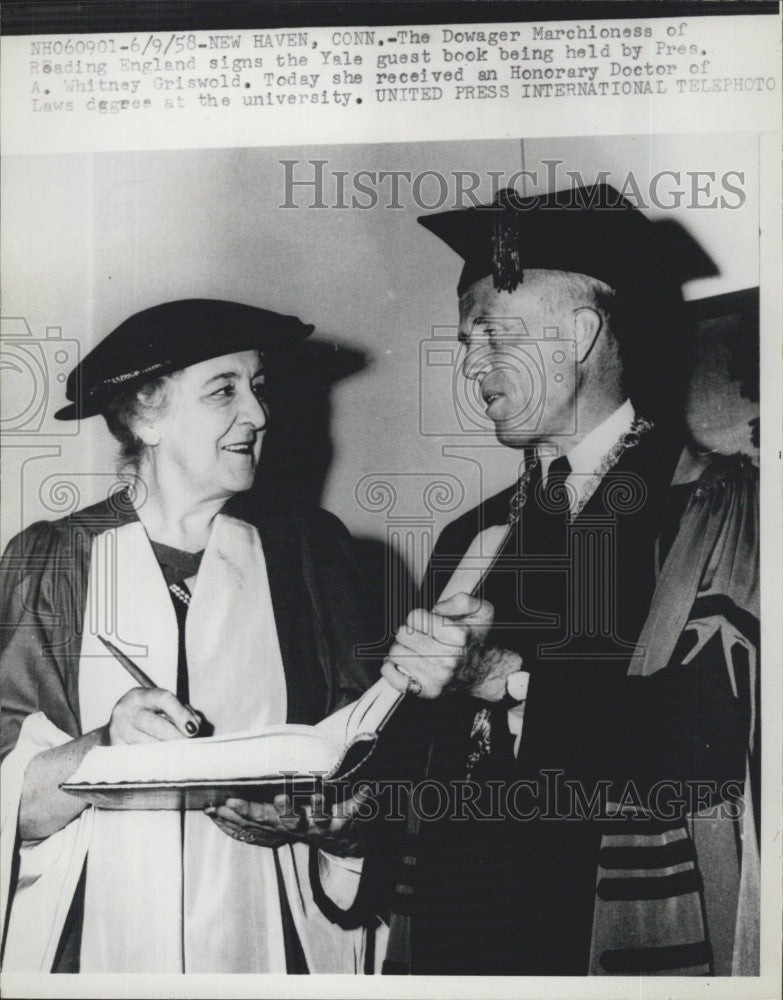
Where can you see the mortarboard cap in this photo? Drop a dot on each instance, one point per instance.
(586, 230)
(168, 337)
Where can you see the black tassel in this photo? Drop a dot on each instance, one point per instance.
(505, 242)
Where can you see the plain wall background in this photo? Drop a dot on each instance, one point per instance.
(89, 239)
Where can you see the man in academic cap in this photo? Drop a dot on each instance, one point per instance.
(568, 317)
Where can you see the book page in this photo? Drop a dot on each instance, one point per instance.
(293, 750)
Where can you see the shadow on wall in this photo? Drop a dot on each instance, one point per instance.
(694, 364)
(656, 335)
(294, 465)
(722, 406)
(298, 445)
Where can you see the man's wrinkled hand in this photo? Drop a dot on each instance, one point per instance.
(259, 823)
(430, 647)
(487, 670)
(338, 831)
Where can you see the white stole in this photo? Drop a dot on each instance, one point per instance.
(151, 906)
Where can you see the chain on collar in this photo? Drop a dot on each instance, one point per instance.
(519, 498)
(630, 439)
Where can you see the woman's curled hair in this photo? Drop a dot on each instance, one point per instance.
(124, 409)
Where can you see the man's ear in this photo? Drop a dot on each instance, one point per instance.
(588, 323)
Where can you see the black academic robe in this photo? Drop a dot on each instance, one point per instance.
(508, 886)
(316, 590)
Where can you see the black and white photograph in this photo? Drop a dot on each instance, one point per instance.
(390, 541)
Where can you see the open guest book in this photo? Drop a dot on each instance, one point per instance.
(191, 773)
(257, 766)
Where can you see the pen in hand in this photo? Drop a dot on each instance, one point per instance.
(141, 678)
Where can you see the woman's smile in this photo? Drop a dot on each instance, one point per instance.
(241, 447)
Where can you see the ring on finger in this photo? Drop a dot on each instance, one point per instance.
(414, 686)
(248, 837)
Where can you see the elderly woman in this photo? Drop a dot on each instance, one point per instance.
(252, 624)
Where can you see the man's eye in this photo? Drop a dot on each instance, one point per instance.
(224, 392)
(501, 338)
(259, 389)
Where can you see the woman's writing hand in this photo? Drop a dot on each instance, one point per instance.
(146, 714)
(273, 824)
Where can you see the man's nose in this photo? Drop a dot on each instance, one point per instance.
(476, 362)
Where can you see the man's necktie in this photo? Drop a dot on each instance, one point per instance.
(555, 486)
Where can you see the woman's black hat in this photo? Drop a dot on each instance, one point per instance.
(169, 337)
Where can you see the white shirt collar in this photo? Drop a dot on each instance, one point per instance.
(585, 457)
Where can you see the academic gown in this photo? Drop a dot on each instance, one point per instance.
(44, 582)
(515, 894)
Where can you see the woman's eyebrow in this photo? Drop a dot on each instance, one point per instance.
(217, 378)
(231, 374)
